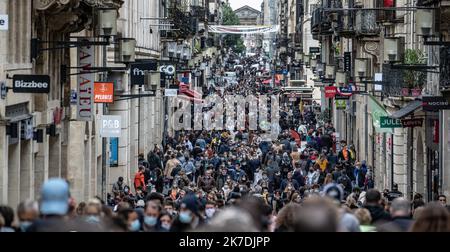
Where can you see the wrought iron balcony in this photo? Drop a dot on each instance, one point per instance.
(365, 23)
(444, 67)
(345, 24)
(320, 23)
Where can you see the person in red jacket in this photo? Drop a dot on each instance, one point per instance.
(139, 181)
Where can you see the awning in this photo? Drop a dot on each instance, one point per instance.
(407, 110)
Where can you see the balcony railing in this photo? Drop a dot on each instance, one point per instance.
(320, 23)
(345, 24)
(394, 80)
(444, 67)
(365, 23)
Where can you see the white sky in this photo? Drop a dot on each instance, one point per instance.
(256, 4)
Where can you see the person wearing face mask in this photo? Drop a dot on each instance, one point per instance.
(28, 212)
(118, 186)
(210, 210)
(169, 207)
(130, 219)
(139, 179)
(151, 216)
(222, 178)
(165, 220)
(189, 217)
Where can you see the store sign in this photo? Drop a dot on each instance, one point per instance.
(341, 104)
(347, 61)
(110, 126)
(171, 92)
(341, 97)
(345, 91)
(85, 99)
(314, 50)
(387, 122)
(435, 103)
(139, 70)
(412, 123)
(31, 84)
(3, 22)
(330, 92)
(103, 92)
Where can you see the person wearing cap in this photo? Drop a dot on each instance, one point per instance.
(54, 207)
(118, 186)
(189, 216)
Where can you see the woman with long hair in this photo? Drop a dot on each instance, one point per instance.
(433, 218)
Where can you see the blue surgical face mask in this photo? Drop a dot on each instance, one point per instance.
(135, 226)
(92, 219)
(25, 225)
(165, 226)
(185, 217)
(150, 220)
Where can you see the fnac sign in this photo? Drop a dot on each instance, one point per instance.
(103, 92)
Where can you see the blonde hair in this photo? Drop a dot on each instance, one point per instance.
(363, 216)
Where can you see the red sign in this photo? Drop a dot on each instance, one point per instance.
(330, 92)
(436, 131)
(103, 92)
(411, 123)
(57, 115)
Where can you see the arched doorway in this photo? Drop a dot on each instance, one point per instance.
(420, 166)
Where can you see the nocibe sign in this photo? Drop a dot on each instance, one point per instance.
(31, 83)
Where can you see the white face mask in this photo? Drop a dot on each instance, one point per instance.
(210, 212)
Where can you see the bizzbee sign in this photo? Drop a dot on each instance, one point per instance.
(31, 84)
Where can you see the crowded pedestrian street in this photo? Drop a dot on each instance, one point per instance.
(251, 118)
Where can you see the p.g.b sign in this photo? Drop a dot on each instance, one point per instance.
(110, 126)
(31, 83)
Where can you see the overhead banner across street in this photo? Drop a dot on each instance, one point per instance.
(242, 29)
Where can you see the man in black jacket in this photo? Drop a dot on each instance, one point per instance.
(154, 159)
(373, 204)
(401, 217)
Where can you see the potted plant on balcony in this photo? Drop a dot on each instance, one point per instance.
(414, 80)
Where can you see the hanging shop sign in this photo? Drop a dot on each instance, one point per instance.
(171, 92)
(314, 50)
(387, 122)
(412, 123)
(31, 84)
(110, 126)
(347, 62)
(435, 103)
(345, 91)
(3, 22)
(341, 104)
(103, 92)
(85, 98)
(139, 70)
(330, 92)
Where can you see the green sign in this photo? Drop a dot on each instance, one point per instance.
(387, 122)
(341, 104)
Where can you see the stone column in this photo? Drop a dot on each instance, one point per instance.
(41, 165)
(76, 160)
(3, 165)
(14, 174)
(26, 170)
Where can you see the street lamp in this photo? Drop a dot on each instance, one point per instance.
(107, 21)
(424, 21)
(340, 78)
(126, 50)
(361, 67)
(392, 49)
(329, 72)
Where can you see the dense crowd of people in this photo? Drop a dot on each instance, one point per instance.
(237, 181)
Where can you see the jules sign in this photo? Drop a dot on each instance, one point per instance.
(31, 84)
(387, 122)
(85, 99)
